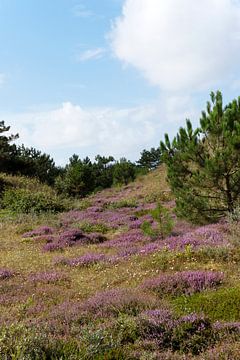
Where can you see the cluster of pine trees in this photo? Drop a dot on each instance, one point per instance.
(80, 176)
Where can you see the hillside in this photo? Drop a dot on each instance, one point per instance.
(120, 277)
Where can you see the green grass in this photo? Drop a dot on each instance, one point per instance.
(222, 304)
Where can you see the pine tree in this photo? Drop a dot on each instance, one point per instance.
(204, 164)
(7, 151)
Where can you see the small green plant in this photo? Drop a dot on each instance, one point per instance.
(164, 221)
(92, 228)
(130, 203)
(148, 230)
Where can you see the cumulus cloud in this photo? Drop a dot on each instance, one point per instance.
(180, 45)
(70, 128)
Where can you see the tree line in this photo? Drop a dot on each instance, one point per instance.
(77, 178)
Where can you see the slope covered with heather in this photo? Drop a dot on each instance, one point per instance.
(119, 276)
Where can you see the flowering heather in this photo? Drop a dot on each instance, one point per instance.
(42, 230)
(5, 274)
(186, 282)
(47, 277)
(127, 239)
(136, 224)
(116, 301)
(52, 246)
(72, 237)
(127, 252)
(81, 261)
(230, 327)
(158, 317)
(191, 333)
(210, 235)
(112, 218)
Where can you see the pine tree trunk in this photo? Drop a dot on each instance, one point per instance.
(229, 194)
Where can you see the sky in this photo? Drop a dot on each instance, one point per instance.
(110, 77)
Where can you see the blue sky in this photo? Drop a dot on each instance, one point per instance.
(112, 76)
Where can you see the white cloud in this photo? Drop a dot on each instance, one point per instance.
(109, 131)
(180, 45)
(91, 54)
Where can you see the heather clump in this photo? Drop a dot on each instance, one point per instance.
(40, 231)
(5, 274)
(185, 282)
(112, 219)
(82, 261)
(229, 327)
(192, 333)
(116, 301)
(127, 239)
(47, 277)
(65, 238)
(213, 235)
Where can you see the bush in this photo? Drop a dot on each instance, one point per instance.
(22, 343)
(26, 201)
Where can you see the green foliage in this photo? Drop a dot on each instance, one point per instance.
(26, 201)
(78, 179)
(148, 230)
(204, 164)
(131, 203)
(126, 329)
(34, 163)
(103, 171)
(222, 304)
(81, 204)
(193, 337)
(83, 177)
(7, 151)
(89, 228)
(21, 343)
(164, 222)
(150, 159)
(124, 172)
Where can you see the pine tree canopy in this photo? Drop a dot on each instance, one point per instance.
(204, 164)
